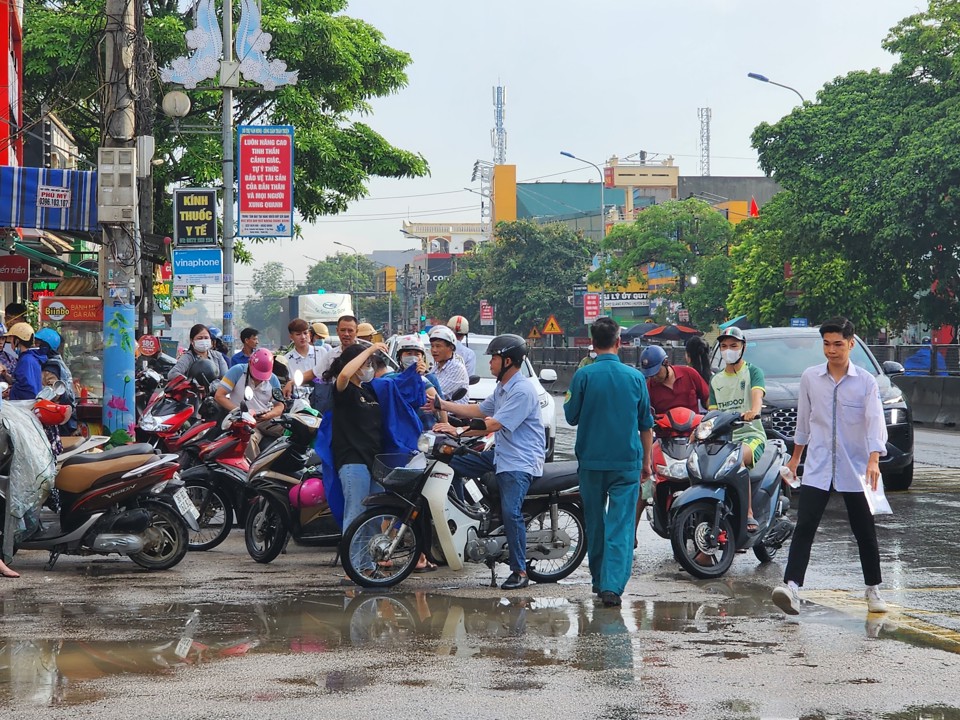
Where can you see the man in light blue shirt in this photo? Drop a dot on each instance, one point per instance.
(840, 423)
(513, 413)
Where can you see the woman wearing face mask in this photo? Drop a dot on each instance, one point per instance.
(356, 425)
(201, 348)
(411, 352)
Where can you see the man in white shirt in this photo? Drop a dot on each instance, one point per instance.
(840, 423)
(448, 366)
(303, 356)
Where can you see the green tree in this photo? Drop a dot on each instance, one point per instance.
(340, 273)
(266, 312)
(530, 270)
(462, 292)
(343, 65)
(687, 236)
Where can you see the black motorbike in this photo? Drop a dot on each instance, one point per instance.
(708, 521)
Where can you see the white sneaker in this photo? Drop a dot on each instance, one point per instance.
(875, 603)
(787, 599)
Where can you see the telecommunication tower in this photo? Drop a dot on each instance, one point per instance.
(498, 135)
(704, 115)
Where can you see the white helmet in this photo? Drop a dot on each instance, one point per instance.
(459, 325)
(409, 342)
(442, 332)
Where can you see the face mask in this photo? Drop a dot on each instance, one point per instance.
(731, 357)
(18, 350)
(592, 355)
(318, 342)
(202, 345)
(366, 375)
(408, 361)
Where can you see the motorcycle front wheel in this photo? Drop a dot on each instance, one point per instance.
(265, 532)
(166, 538)
(570, 522)
(216, 514)
(366, 545)
(689, 536)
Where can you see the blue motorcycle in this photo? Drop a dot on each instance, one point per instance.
(708, 520)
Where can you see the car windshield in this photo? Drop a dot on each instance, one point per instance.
(789, 356)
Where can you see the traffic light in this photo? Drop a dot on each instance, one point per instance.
(423, 318)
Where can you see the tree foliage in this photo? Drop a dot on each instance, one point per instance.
(874, 172)
(340, 273)
(343, 65)
(527, 272)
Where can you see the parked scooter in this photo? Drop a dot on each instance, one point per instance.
(127, 501)
(418, 514)
(708, 521)
(217, 484)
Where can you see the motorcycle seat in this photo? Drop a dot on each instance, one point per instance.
(78, 478)
(557, 476)
(120, 452)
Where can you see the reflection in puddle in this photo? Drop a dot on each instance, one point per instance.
(519, 633)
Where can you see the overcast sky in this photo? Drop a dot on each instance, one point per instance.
(601, 78)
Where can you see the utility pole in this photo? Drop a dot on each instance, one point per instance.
(229, 79)
(117, 201)
(406, 298)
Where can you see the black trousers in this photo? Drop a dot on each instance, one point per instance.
(813, 502)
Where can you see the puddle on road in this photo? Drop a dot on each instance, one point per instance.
(159, 639)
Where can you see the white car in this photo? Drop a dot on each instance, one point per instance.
(484, 387)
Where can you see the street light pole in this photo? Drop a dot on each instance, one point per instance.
(356, 255)
(424, 284)
(603, 227)
(764, 78)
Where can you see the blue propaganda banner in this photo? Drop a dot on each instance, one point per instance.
(48, 199)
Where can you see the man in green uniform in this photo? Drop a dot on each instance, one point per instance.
(609, 404)
(740, 388)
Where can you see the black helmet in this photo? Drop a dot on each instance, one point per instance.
(204, 372)
(508, 346)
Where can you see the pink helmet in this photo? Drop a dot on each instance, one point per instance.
(308, 493)
(261, 364)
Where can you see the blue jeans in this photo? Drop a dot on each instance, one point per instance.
(470, 466)
(513, 489)
(357, 484)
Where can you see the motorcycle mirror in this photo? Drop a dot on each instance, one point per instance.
(478, 424)
(59, 388)
(278, 395)
(46, 393)
(458, 394)
(248, 393)
(474, 379)
(298, 378)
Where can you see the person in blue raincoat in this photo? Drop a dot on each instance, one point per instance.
(26, 379)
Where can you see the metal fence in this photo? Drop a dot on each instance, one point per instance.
(945, 359)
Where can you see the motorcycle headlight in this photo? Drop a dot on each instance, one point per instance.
(426, 442)
(732, 461)
(674, 471)
(693, 466)
(704, 429)
(151, 423)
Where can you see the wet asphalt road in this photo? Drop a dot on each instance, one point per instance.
(219, 636)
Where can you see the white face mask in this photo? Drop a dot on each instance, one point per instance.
(366, 375)
(408, 360)
(202, 345)
(730, 357)
(592, 355)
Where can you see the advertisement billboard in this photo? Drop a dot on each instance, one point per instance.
(265, 180)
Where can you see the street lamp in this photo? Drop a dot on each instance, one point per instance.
(422, 295)
(356, 255)
(603, 227)
(764, 78)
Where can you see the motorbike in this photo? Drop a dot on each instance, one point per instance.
(417, 514)
(179, 418)
(217, 484)
(671, 449)
(128, 500)
(286, 481)
(708, 520)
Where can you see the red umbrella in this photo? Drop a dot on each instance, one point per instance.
(671, 332)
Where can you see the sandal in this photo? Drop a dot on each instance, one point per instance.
(752, 524)
(427, 567)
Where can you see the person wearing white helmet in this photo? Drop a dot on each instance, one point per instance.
(410, 352)
(461, 326)
(449, 367)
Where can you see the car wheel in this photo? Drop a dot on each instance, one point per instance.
(551, 445)
(901, 480)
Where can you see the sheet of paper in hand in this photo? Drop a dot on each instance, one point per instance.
(876, 499)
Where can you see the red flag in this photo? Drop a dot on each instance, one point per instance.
(754, 208)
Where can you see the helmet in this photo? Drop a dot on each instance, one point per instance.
(651, 359)
(50, 413)
(677, 422)
(442, 332)
(21, 330)
(409, 342)
(308, 493)
(261, 364)
(508, 346)
(925, 340)
(320, 329)
(49, 336)
(459, 325)
(732, 332)
(365, 330)
(204, 372)
(215, 333)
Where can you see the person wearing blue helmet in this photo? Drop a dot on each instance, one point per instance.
(672, 386)
(49, 342)
(216, 335)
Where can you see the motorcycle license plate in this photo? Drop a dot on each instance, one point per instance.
(185, 504)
